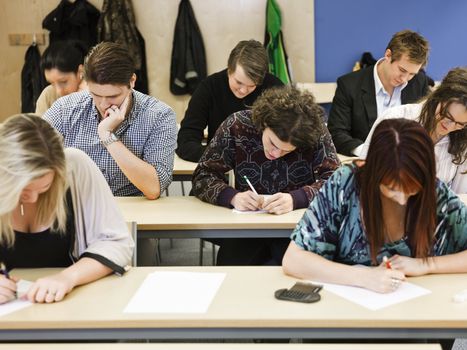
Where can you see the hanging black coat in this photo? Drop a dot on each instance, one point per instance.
(32, 80)
(77, 20)
(188, 65)
(118, 24)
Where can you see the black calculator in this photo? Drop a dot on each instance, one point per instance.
(301, 292)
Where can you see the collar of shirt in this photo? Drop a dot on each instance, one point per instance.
(385, 101)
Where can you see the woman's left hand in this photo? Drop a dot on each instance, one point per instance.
(279, 203)
(410, 266)
(50, 289)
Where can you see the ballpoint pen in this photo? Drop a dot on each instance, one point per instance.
(249, 184)
(387, 262)
(4, 271)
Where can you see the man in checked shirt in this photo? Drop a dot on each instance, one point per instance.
(129, 135)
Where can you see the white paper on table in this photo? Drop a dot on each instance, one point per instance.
(248, 211)
(374, 300)
(175, 292)
(17, 304)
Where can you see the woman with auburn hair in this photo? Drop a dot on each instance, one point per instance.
(56, 210)
(390, 205)
(444, 116)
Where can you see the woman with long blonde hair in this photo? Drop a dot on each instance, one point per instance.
(56, 210)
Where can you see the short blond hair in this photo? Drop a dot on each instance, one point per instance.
(29, 148)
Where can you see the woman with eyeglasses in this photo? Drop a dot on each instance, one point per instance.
(443, 114)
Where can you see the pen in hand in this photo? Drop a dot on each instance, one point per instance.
(249, 184)
(4, 271)
(386, 262)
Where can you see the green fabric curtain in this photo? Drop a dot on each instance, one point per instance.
(274, 43)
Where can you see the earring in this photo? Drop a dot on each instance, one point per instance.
(21, 209)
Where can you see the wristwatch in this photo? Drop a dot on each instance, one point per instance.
(111, 138)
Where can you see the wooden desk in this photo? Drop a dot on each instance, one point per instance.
(323, 92)
(214, 346)
(244, 307)
(189, 217)
(345, 159)
(183, 170)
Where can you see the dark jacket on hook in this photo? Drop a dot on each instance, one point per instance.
(118, 24)
(77, 20)
(32, 80)
(188, 66)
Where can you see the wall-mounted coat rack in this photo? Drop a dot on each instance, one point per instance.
(26, 39)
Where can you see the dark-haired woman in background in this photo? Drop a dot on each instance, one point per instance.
(390, 205)
(62, 63)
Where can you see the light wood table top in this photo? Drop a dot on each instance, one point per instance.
(244, 307)
(189, 213)
(183, 167)
(215, 346)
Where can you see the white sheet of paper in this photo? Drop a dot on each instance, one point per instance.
(248, 211)
(17, 304)
(373, 300)
(175, 292)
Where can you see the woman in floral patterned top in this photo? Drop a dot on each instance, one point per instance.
(390, 205)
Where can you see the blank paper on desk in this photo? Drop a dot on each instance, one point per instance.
(175, 292)
(373, 300)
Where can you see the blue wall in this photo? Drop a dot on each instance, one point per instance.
(344, 29)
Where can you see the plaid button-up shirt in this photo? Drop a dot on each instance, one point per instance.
(149, 132)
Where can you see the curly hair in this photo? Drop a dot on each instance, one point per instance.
(292, 114)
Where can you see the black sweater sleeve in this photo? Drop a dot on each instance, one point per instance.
(190, 136)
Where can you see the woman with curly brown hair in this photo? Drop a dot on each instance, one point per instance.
(283, 147)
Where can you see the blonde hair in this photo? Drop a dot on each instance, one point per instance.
(30, 148)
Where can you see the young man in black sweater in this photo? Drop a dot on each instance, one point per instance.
(223, 93)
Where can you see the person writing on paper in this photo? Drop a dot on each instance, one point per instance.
(56, 210)
(389, 205)
(62, 64)
(129, 135)
(283, 148)
(443, 114)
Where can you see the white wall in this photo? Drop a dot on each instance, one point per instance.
(222, 22)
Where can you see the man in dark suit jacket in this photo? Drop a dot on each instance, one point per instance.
(361, 96)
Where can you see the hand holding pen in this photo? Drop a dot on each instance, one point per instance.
(7, 285)
(395, 280)
(249, 200)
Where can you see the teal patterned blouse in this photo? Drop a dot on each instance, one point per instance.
(332, 225)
